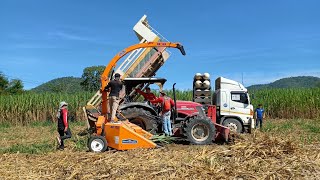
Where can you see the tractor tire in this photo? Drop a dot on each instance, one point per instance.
(97, 144)
(233, 124)
(199, 131)
(142, 118)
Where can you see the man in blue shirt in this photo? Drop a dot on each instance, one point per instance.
(259, 115)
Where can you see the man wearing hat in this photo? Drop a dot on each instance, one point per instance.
(114, 87)
(63, 125)
(167, 105)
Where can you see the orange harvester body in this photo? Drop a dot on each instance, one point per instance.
(124, 135)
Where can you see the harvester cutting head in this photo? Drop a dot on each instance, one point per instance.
(121, 136)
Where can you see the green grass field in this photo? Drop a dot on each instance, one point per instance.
(36, 107)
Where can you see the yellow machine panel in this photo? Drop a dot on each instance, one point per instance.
(125, 135)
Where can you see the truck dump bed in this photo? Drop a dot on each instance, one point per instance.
(143, 62)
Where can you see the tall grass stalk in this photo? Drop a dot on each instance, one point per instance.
(29, 108)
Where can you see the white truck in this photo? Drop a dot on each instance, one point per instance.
(230, 100)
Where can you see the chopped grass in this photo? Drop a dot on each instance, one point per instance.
(285, 149)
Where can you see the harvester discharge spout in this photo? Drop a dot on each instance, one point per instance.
(181, 48)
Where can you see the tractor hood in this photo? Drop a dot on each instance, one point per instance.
(187, 104)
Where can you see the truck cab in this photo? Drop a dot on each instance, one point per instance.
(234, 108)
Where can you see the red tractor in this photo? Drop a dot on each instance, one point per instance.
(189, 118)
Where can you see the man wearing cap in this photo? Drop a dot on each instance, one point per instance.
(63, 126)
(167, 105)
(114, 87)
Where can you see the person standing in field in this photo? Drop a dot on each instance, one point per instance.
(167, 105)
(259, 114)
(63, 125)
(148, 95)
(114, 87)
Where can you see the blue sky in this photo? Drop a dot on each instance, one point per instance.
(263, 40)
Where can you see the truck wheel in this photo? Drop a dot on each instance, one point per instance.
(233, 124)
(199, 131)
(142, 118)
(97, 144)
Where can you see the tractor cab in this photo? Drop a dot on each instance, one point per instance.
(142, 83)
(183, 109)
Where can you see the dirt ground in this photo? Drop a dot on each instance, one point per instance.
(261, 155)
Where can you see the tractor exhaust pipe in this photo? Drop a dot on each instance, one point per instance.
(175, 115)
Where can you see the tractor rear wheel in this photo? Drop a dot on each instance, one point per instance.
(97, 144)
(142, 118)
(199, 131)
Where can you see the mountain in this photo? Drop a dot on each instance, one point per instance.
(291, 82)
(64, 84)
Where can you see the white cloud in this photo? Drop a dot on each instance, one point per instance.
(63, 35)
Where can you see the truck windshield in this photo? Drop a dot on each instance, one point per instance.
(241, 97)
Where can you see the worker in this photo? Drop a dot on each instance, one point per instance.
(63, 125)
(259, 114)
(148, 95)
(167, 105)
(114, 87)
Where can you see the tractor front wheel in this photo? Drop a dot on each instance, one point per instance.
(97, 144)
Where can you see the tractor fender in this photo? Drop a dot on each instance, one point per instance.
(144, 106)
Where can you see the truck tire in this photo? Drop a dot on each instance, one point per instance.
(142, 118)
(233, 124)
(199, 131)
(97, 144)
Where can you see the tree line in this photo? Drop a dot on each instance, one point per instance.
(14, 86)
(89, 81)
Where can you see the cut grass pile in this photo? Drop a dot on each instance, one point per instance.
(277, 152)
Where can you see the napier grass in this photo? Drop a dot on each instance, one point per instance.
(279, 151)
(31, 107)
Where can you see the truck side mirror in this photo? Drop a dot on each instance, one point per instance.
(252, 96)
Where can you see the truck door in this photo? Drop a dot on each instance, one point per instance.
(239, 105)
(224, 104)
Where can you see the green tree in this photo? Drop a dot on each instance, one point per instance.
(91, 78)
(4, 83)
(10, 87)
(15, 86)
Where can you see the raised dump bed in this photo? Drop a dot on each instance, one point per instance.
(143, 62)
